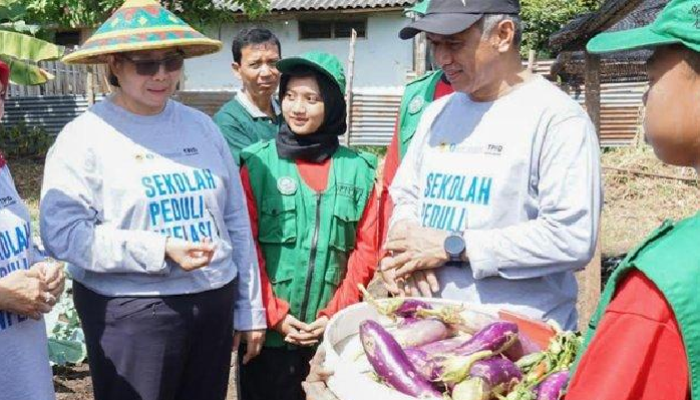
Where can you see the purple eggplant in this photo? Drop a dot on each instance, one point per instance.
(391, 363)
(495, 337)
(552, 388)
(443, 346)
(488, 378)
(417, 332)
(409, 307)
(395, 307)
(424, 364)
(522, 347)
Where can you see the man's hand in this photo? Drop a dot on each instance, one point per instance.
(414, 248)
(24, 292)
(254, 341)
(189, 255)
(420, 284)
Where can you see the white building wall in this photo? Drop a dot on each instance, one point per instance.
(381, 59)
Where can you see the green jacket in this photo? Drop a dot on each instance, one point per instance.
(306, 237)
(242, 125)
(417, 95)
(670, 258)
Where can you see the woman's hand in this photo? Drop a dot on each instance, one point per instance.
(190, 255)
(24, 292)
(53, 276)
(310, 335)
(254, 342)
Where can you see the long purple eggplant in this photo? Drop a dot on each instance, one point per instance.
(395, 307)
(522, 347)
(417, 332)
(424, 364)
(443, 346)
(407, 308)
(552, 388)
(391, 363)
(495, 337)
(488, 378)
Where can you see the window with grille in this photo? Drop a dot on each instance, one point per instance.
(311, 30)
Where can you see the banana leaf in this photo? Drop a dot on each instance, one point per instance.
(23, 73)
(25, 47)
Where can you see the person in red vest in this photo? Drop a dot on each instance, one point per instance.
(644, 341)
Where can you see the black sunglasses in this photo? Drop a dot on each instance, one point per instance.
(151, 67)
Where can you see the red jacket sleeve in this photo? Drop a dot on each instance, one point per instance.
(361, 264)
(386, 205)
(637, 353)
(275, 308)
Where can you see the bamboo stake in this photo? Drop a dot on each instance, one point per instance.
(348, 86)
(651, 174)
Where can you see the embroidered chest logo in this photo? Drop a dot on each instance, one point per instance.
(494, 149)
(695, 11)
(190, 151)
(7, 201)
(349, 191)
(286, 185)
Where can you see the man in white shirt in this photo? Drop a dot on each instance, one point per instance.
(498, 198)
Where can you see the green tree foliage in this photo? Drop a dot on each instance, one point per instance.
(91, 13)
(544, 17)
(19, 49)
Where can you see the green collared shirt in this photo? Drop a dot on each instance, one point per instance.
(242, 123)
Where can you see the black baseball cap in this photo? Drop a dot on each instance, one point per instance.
(447, 17)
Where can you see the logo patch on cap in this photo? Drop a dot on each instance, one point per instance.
(696, 12)
(286, 185)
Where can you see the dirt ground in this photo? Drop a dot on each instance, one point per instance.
(635, 203)
(72, 383)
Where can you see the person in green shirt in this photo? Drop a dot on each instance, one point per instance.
(252, 115)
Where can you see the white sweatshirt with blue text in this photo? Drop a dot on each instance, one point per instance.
(519, 178)
(116, 184)
(24, 348)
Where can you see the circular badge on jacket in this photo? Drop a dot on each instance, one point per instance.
(416, 104)
(286, 185)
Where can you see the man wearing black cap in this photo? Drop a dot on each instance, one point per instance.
(499, 192)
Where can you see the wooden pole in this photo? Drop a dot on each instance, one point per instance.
(89, 86)
(348, 86)
(589, 278)
(593, 89)
(589, 288)
(420, 55)
(532, 60)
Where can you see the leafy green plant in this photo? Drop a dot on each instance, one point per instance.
(66, 338)
(22, 141)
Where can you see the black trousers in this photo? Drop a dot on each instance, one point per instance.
(158, 348)
(275, 374)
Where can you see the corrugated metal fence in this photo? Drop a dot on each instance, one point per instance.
(51, 113)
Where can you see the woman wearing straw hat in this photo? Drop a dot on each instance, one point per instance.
(142, 197)
(29, 287)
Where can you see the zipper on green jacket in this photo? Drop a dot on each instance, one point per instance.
(312, 259)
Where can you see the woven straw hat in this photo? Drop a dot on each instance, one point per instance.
(142, 25)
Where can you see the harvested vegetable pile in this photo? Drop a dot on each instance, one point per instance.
(433, 354)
